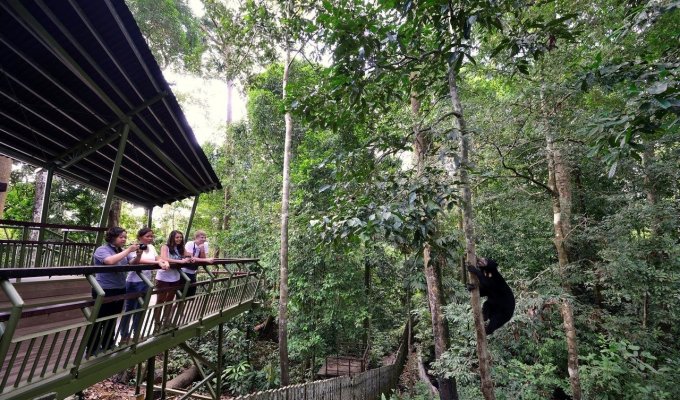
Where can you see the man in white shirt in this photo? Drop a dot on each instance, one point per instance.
(198, 249)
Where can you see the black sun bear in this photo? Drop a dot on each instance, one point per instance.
(500, 301)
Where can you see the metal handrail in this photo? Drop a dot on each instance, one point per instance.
(12, 224)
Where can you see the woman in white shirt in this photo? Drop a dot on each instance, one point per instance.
(146, 254)
(168, 280)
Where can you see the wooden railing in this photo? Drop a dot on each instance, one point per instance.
(30, 244)
(40, 342)
(349, 358)
(368, 385)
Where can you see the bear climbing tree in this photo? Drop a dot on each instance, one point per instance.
(500, 301)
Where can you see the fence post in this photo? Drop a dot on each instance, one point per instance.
(379, 382)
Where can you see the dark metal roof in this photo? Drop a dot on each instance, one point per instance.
(72, 74)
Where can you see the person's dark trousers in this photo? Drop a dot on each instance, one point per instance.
(103, 333)
(130, 305)
(192, 289)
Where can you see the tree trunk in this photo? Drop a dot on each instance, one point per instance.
(184, 379)
(656, 223)
(114, 213)
(560, 240)
(469, 231)
(440, 331)
(367, 293)
(230, 100)
(564, 188)
(5, 172)
(285, 198)
(226, 217)
(650, 188)
(572, 349)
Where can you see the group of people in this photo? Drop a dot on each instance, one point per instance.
(168, 280)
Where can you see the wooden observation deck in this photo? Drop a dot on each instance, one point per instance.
(43, 347)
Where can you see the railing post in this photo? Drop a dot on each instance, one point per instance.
(22, 250)
(206, 297)
(145, 306)
(226, 293)
(62, 253)
(183, 298)
(7, 331)
(92, 319)
(245, 287)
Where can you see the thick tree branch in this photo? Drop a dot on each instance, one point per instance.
(518, 174)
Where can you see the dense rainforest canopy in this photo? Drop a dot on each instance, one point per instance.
(544, 135)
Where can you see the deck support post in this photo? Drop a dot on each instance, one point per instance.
(113, 182)
(149, 213)
(218, 372)
(138, 380)
(164, 382)
(43, 217)
(191, 217)
(150, 375)
(91, 314)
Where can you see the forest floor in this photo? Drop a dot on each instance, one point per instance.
(110, 390)
(410, 385)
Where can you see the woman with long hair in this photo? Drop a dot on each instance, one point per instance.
(168, 280)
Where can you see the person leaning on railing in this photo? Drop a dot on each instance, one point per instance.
(134, 284)
(168, 280)
(198, 249)
(113, 284)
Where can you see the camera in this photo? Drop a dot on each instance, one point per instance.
(142, 246)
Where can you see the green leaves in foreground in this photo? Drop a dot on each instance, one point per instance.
(398, 209)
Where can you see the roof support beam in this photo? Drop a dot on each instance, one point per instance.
(100, 138)
(83, 149)
(113, 181)
(51, 44)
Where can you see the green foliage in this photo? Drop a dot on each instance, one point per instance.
(642, 85)
(600, 77)
(622, 370)
(19, 202)
(171, 30)
(420, 391)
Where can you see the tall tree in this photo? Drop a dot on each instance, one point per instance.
(238, 38)
(560, 193)
(113, 218)
(5, 172)
(469, 233)
(285, 202)
(172, 31)
(432, 268)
